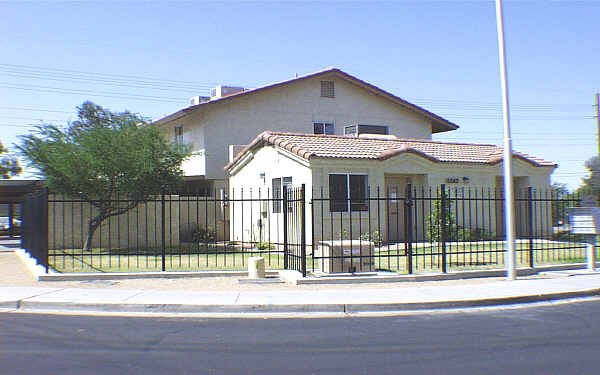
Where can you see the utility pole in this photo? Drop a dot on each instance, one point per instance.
(598, 119)
(509, 197)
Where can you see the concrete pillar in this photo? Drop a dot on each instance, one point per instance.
(591, 257)
(256, 268)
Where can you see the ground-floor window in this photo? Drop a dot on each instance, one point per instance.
(347, 192)
(277, 185)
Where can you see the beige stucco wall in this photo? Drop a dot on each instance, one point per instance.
(291, 108)
(140, 227)
(204, 213)
(275, 162)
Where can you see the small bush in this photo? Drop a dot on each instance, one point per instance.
(476, 234)
(374, 237)
(197, 234)
(265, 246)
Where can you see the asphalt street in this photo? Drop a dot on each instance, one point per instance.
(551, 339)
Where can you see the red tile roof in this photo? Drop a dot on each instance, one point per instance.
(310, 146)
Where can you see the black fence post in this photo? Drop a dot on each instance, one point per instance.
(530, 224)
(163, 229)
(408, 224)
(303, 228)
(443, 231)
(284, 211)
(44, 253)
(10, 220)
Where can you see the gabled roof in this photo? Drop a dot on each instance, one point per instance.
(310, 146)
(439, 124)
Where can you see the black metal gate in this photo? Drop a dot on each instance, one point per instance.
(34, 237)
(294, 229)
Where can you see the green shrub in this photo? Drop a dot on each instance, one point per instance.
(475, 234)
(197, 234)
(374, 237)
(265, 246)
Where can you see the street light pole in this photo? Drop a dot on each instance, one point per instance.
(507, 161)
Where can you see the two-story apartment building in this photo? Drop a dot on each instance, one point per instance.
(363, 137)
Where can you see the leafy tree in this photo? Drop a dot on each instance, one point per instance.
(9, 166)
(104, 154)
(591, 184)
(562, 200)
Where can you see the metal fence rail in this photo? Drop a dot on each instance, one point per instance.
(403, 229)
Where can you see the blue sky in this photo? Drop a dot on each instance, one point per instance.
(151, 57)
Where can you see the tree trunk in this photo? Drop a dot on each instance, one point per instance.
(104, 213)
(93, 224)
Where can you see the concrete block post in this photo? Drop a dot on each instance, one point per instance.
(591, 257)
(256, 268)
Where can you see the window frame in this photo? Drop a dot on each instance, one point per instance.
(178, 134)
(324, 125)
(277, 198)
(349, 206)
(327, 89)
(358, 132)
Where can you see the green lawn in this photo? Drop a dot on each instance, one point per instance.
(426, 258)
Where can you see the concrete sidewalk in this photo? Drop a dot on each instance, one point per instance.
(20, 292)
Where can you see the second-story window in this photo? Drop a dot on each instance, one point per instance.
(178, 135)
(323, 128)
(327, 89)
(356, 130)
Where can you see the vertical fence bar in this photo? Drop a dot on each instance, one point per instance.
(163, 231)
(408, 228)
(44, 229)
(530, 224)
(284, 211)
(443, 213)
(303, 228)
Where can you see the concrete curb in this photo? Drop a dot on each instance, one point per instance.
(245, 309)
(142, 275)
(34, 268)
(295, 277)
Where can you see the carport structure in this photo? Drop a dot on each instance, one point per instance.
(12, 195)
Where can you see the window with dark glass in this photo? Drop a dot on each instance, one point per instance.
(347, 191)
(178, 136)
(323, 128)
(356, 130)
(358, 192)
(277, 189)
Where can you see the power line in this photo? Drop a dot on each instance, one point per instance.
(167, 84)
(34, 69)
(111, 82)
(36, 109)
(89, 92)
(28, 118)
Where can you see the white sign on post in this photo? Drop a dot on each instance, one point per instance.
(584, 220)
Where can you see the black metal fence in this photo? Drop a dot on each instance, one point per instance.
(403, 229)
(408, 229)
(34, 227)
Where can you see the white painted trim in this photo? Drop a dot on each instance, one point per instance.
(293, 157)
(242, 162)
